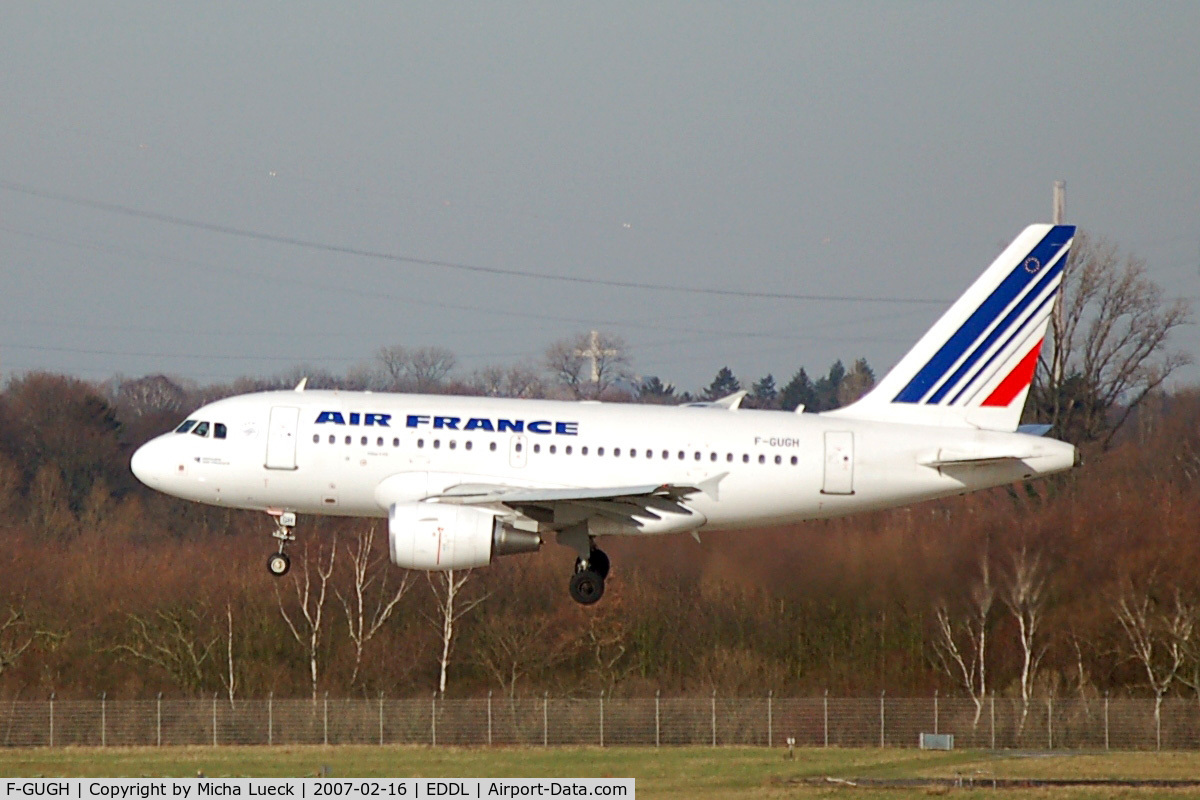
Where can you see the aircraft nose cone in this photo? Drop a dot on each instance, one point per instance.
(145, 465)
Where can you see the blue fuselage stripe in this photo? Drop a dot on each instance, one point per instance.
(1012, 285)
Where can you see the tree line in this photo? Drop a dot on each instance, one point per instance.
(1081, 584)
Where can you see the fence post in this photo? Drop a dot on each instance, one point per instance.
(52, 719)
(104, 719)
(770, 719)
(602, 718)
(714, 718)
(489, 717)
(381, 718)
(214, 719)
(270, 717)
(158, 720)
(325, 721)
(657, 722)
(433, 720)
(1106, 720)
(993, 719)
(825, 706)
(881, 718)
(935, 712)
(545, 719)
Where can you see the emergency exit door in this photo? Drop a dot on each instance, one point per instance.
(281, 438)
(839, 463)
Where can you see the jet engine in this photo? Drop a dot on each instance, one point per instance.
(435, 536)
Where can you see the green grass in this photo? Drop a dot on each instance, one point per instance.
(661, 773)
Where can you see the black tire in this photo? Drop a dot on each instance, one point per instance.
(598, 563)
(586, 587)
(279, 564)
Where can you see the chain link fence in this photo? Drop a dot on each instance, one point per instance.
(1100, 724)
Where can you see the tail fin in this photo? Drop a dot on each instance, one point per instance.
(974, 366)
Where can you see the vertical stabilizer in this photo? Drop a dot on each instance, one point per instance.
(975, 365)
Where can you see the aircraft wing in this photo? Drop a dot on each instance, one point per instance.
(634, 505)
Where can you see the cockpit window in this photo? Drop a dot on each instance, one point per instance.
(201, 429)
(186, 426)
(219, 430)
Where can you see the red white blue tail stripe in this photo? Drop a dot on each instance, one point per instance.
(975, 365)
(1004, 331)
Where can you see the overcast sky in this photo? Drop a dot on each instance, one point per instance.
(848, 149)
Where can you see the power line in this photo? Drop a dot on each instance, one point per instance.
(310, 244)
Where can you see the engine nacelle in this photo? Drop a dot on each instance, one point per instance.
(436, 536)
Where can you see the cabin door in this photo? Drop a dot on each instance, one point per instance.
(281, 438)
(839, 463)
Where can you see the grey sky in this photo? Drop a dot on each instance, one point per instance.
(845, 149)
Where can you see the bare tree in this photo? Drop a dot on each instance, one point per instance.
(312, 606)
(588, 364)
(451, 607)
(420, 368)
(1024, 594)
(15, 639)
(150, 395)
(511, 646)
(1107, 345)
(394, 361)
(519, 380)
(369, 601)
(229, 679)
(1159, 638)
(179, 641)
(429, 366)
(606, 643)
(567, 367)
(960, 647)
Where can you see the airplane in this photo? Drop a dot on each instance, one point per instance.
(464, 480)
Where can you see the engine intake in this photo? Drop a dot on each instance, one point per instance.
(435, 536)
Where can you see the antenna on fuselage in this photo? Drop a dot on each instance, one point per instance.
(300, 386)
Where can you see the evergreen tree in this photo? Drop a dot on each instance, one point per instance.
(654, 391)
(798, 392)
(763, 393)
(827, 387)
(723, 385)
(858, 381)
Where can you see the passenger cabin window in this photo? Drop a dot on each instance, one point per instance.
(186, 426)
(219, 431)
(200, 430)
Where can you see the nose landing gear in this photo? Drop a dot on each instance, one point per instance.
(279, 563)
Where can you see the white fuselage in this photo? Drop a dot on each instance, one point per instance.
(329, 452)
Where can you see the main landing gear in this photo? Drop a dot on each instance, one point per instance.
(279, 563)
(587, 584)
(591, 567)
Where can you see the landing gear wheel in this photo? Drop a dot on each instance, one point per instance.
(278, 564)
(598, 563)
(587, 587)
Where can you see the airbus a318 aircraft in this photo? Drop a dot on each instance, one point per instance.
(463, 480)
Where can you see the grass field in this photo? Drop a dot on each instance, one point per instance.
(669, 772)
